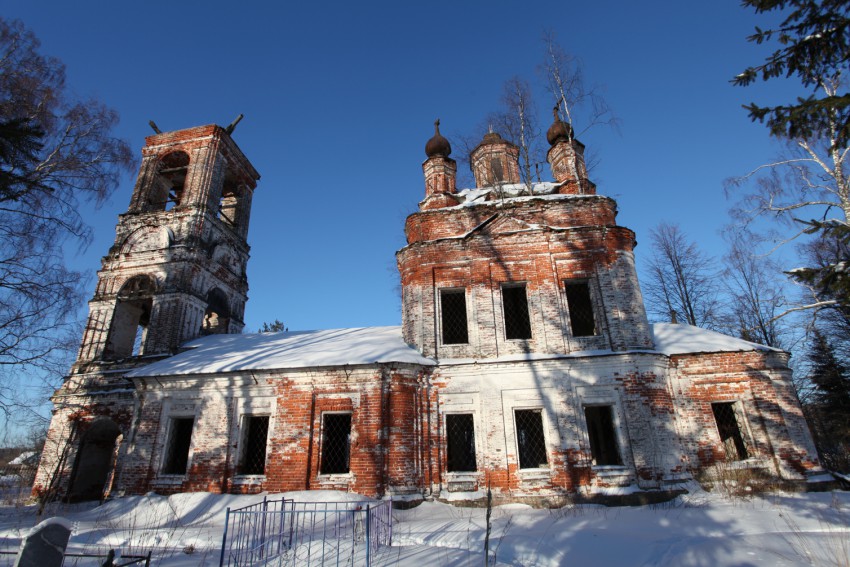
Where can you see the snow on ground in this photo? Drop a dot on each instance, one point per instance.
(699, 529)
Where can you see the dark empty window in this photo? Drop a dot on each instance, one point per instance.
(581, 308)
(729, 429)
(453, 315)
(460, 443)
(515, 304)
(177, 445)
(603, 439)
(336, 443)
(530, 441)
(255, 433)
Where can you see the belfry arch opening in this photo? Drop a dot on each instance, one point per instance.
(168, 189)
(131, 318)
(229, 207)
(95, 461)
(217, 314)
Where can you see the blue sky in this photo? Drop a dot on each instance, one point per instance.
(339, 99)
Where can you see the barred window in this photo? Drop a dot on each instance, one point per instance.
(729, 427)
(255, 433)
(460, 443)
(530, 441)
(177, 445)
(336, 443)
(580, 306)
(515, 305)
(603, 439)
(453, 316)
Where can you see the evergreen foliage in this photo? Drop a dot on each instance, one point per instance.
(274, 327)
(831, 280)
(829, 408)
(815, 47)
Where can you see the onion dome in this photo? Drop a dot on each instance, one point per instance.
(438, 145)
(559, 131)
(491, 138)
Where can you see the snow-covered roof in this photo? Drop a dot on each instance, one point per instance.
(675, 338)
(297, 349)
(24, 458)
(369, 345)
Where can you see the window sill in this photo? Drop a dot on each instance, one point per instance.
(248, 479)
(611, 469)
(461, 475)
(534, 474)
(169, 480)
(334, 477)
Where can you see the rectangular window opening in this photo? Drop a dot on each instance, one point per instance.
(255, 433)
(603, 438)
(580, 306)
(336, 443)
(515, 305)
(460, 443)
(453, 316)
(730, 430)
(177, 445)
(530, 441)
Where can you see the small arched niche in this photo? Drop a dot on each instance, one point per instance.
(168, 187)
(217, 314)
(130, 320)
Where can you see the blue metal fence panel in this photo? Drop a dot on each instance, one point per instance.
(284, 532)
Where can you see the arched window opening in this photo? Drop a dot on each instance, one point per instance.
(130, 320)
(95, 461)
(217, 315)
(169, 185)
(230, 203)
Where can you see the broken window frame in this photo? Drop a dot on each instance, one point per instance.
(530, 439)
(253, 451)
(460, 443)
(516, 311)
(732, 430)
(334, 452)
(581, 308)
(602, 435)
(177, 449)
(453, 316)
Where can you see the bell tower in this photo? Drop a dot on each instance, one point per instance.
(177, 268)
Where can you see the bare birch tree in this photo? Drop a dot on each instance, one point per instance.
(517, 121)
(56, 152)
(806, 187)
(681, 283)
(581, 104)
(756, 294)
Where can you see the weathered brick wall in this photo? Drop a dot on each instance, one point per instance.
(81, 401)
(760, 382)
(521, 241)
(384, 403)
(634, 386)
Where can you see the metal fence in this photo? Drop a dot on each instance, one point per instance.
(284, 532)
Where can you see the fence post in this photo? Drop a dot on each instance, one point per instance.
(263, 527)
(224, 537)
(368, 535)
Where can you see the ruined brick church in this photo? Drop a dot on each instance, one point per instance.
(524, 361)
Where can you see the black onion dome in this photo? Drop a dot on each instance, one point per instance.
(438, 145)
(559, 130)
